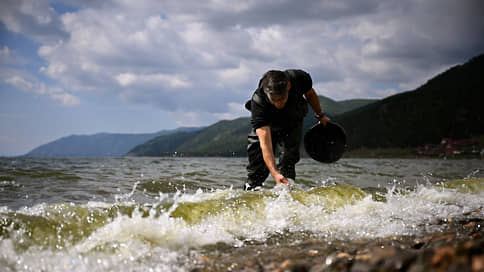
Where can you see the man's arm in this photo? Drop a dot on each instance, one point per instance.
(313, 101)
(265, 140)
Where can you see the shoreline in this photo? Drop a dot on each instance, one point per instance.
(458, 246)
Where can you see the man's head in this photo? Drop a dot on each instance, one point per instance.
(276, 85)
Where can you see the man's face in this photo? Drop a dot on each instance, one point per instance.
(280, 100)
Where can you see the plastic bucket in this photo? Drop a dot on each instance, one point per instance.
(325, 143)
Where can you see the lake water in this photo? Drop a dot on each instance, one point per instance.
(165, 214)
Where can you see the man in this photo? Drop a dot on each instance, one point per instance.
(278, 107)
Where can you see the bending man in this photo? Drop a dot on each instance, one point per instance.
(278, 108)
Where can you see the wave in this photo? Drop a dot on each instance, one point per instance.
(178, 222)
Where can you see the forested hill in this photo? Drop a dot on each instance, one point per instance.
(97, 145)
(227, 137)
(448, 105)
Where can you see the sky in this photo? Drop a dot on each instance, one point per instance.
(120, 66)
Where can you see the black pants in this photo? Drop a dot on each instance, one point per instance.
(286, 142)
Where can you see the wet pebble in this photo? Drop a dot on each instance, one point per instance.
(459, 247)
(478, 263)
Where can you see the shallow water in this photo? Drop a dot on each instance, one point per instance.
(163, 214)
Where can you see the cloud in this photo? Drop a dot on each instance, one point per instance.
(414, 40)
(172, 81)
(4, 53)
(32, 18)
(203, 58)
(235, 110)
(39, 88)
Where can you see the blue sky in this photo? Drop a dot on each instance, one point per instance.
(85, 66)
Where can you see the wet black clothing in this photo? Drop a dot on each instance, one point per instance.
(286, 129)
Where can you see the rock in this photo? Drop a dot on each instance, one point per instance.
(363, 257)
(476, 236)
(271, 267)
(476, 247)
(298, 268)
(443, 257)
(400, 261)
(343, 255)
(312, 253)
(377, 255)
(459, 247)
(204, 258)
(417, 244)
(286, 264)
(441, 239)
(417, 267)
(318, 268)
(478, 263)
(425, 255)
(290, 266)
(253, 265)
(361, 267)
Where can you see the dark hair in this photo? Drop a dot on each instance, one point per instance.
(274, 82)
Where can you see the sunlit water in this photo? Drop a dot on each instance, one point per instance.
(162, 214)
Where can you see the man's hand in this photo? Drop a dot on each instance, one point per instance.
(324, 120)
(265, 139)
(279, 178)
(313, 100)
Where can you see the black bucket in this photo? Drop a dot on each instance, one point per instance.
(325, 143)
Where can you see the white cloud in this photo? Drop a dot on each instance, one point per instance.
(4, 53)
(35, 19)
(171, 81)
(338, 90)
(236, 76)
(126, 79)
(39, 88)
(235, 110)
(191, 119)
(20, 83)
(65, 99)
(204, 58)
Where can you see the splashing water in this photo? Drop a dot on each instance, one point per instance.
(164, 221)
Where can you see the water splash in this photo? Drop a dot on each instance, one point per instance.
(134, 236)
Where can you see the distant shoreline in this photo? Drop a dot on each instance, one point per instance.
(402, 153)
(362, 153)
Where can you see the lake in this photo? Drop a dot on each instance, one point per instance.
(168, 214)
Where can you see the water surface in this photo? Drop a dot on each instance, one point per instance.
(164, 214)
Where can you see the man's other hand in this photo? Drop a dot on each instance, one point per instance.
(324, 120)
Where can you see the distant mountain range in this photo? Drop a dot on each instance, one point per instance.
(98, 145)
(448, 105)
(227, 138)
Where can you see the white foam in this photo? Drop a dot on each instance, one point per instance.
(142, 258)
(161, 243)
(164, 231)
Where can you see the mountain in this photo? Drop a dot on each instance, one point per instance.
(448, 105)
(334, 108)
(224, 138)
(97, 145)
(162, 145)
(227, 137)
